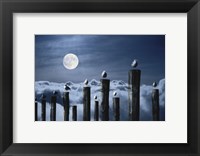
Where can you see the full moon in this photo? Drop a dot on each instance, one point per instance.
(70, 61)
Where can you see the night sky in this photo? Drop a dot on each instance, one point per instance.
(112, 53)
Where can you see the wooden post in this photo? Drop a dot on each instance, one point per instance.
(134, 93)
(105, 97)
(74, 113)
(86, 102)
(116, 108)
(66, 106)
(155, 105)
(43, 112)
(53, 107)
(96, 111)
(36, 110)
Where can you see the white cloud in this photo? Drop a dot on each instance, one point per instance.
(76, 98)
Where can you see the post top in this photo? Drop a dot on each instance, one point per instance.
(105, 80)
(135, 71)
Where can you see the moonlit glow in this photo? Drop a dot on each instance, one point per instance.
(70, 61)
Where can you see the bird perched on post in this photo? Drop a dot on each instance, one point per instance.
(55, 92)
(43, 96)
(134, 63)
(104, 74)
(66, 87)
(115, 93)
(95, 97)
(86, 82)
(154, 84)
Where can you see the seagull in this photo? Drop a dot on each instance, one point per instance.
(86, 82)
(43, 96)
(66, 87)
(55, 92)
(104, 74)
(95, 97)
(115, 93)
(134, 63)
(154, 84)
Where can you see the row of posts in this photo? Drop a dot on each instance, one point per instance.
(134, 77)
(53, 108)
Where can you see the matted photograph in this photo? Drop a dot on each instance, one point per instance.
(90, 77)
(100, 77)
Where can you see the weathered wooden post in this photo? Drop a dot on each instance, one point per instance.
(36, 110)
(66, 102)
(53, 107)
(74, 113)
(155, 103)
(96, 109)
(116, 107)
(134, 92)
(43, 111)
(86, 101)
(105, 97)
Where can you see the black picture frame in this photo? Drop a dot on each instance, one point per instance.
(8, 7)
